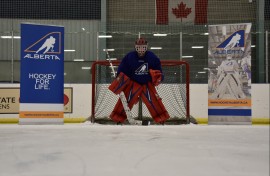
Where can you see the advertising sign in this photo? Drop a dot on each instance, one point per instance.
(10, 100)
(42, 74)
(229, 74)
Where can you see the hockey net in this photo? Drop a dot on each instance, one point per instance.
(174, 91)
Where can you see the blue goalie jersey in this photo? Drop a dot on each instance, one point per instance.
(137, 68)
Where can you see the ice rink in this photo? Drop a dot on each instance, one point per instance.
(107, 150)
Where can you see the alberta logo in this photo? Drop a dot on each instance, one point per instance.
(47, 47)
(143, 69)
(236, 40)
(234, 44)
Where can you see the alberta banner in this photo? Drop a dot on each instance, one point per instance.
(42, 74)
(229, 74)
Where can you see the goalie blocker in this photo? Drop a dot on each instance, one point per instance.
(133, 91)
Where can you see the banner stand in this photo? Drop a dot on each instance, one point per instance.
(42, 74)
(229, 76)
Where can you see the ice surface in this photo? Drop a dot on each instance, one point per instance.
(108, 150)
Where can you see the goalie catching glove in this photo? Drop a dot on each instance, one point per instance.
(156, 76)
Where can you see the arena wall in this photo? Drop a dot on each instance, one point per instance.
(81, 103)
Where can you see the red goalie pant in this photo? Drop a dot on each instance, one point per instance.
(149, 96)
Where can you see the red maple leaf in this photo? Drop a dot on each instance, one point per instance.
(181, 11)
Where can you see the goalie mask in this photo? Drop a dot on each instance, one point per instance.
(141, 46)
(229, 57)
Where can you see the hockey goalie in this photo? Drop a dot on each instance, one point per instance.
(137, 76)
(246, 66)
(228, 81)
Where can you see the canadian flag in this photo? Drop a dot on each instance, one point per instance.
(188, 11)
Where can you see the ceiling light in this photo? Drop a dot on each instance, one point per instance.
(69, 50)
(197, 47)
(160, 35)
(156, 48)
(10, 37)
(108, 49)
(112, 59)
(187, 56)
(86, 68)
(78, 60)
(104, 36)
(202, 72)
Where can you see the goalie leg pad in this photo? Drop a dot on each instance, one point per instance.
(132, 92)
(221, 87)
(119, 84)
(154, 103)
(118, 114)
(236, 87)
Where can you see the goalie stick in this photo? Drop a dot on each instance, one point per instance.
(122, 96)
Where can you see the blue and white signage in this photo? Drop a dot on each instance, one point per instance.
(229, 77)
(42, 74)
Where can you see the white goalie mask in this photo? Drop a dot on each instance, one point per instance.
(141, 46)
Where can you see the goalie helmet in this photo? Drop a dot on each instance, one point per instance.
(229, 57)
(141, 46)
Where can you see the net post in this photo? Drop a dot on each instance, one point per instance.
(93, 71)
(187, 91)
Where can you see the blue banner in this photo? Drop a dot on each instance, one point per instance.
(42, 70)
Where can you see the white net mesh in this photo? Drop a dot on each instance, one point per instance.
(173, 92)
